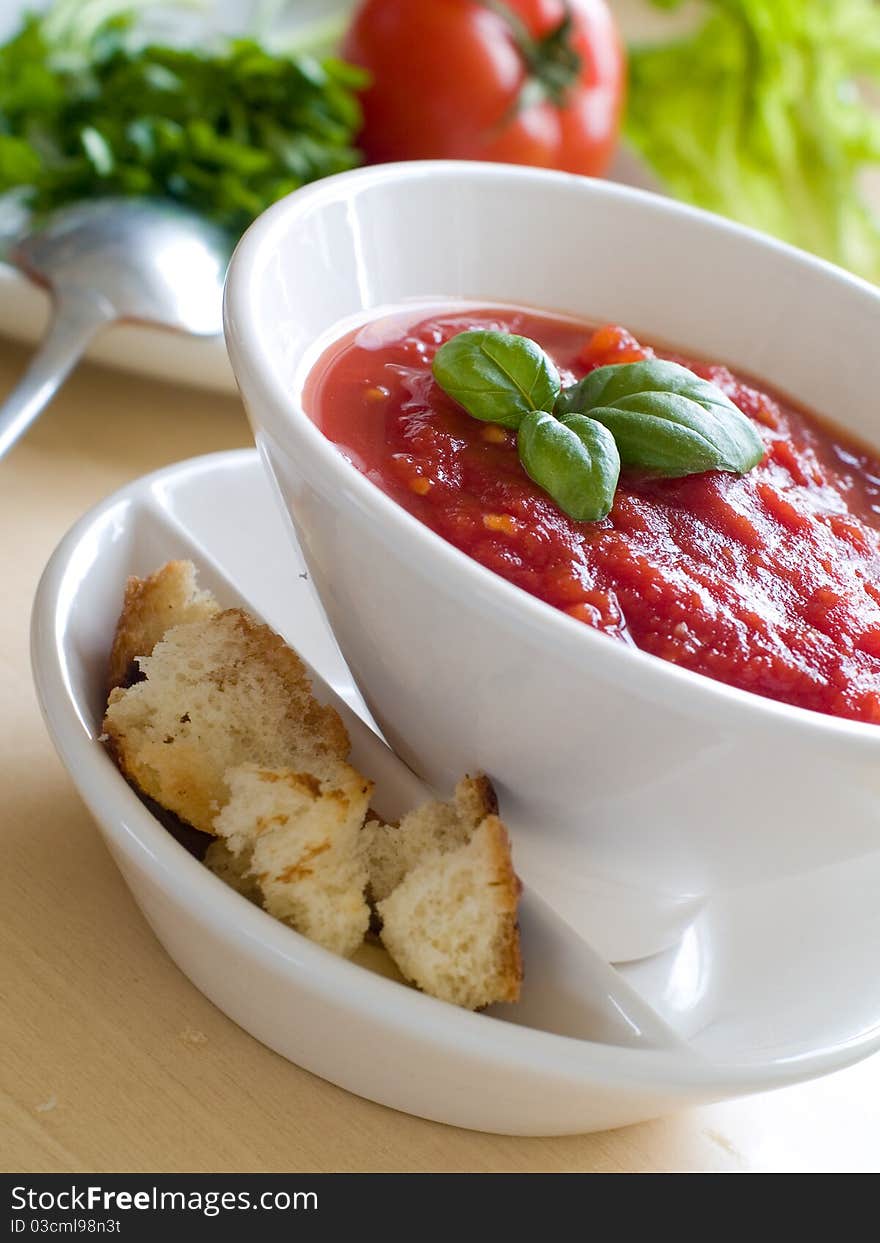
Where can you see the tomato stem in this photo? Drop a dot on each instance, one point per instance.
(552, 61)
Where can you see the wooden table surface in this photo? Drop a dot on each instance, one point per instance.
(111, 1060)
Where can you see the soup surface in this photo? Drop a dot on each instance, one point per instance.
(768, 581)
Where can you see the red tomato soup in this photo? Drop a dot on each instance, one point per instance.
(768, 581)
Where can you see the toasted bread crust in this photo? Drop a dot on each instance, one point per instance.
(175, 733)
(509, 885)
(475, 798)
(150, 607)
(321, 723)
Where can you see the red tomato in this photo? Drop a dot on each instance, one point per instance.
(527, 82)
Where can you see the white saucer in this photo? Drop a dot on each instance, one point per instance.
(768, 987)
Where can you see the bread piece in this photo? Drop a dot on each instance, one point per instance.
(233, 870)
(446, 895)
(150, 607)
(298, 837)
(450, 925)
(217, 694)
(391, 851)
(223, 733)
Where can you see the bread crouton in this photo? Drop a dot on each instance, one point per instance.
(297, 837)
(212, 718)
(451, 923)
(446, 896)
(218, 693)
(392, 850)
(150, 607)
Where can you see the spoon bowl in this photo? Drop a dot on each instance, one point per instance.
(109, 261)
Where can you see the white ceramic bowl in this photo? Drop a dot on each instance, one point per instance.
(738, 1007)
(614, 768)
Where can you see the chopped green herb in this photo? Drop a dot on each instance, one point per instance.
(88, 109)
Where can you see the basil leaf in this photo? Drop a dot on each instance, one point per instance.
(666, 419)
(497, 376)
(607, 385)
(574, 459)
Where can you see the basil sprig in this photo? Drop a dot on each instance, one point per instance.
(666, 419)
(497, 376)
(653, 415)
(575, 459)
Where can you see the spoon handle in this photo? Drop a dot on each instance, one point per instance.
(77, 316)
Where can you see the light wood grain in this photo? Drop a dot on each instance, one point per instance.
(111, 1060)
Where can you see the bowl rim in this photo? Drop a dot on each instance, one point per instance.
(129, 827)
(274, 407)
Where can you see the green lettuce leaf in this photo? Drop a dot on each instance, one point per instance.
(764, 115)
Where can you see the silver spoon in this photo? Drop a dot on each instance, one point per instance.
(106, 261)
